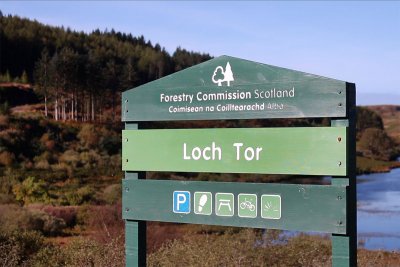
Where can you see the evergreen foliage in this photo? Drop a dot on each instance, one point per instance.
(81, 75)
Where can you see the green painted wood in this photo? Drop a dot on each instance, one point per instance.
(308, 151)
(231, 88)
(255, 91)
(135, 243)
(303, 207)
(135, 231)
(341, 242)
(344, 246)
(340, 251)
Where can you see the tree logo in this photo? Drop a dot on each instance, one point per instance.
(220, 75)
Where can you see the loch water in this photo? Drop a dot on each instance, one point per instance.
(378, 210)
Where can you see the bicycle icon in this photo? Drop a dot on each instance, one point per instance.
(246, 204)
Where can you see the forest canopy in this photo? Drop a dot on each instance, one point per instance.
(79, 74)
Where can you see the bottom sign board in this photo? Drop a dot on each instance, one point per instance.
(320, 208)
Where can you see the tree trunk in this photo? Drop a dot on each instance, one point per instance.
(88, 110)
(92, 108)
(76, 107)
(56, 109)
(45, 105)
(113, 106)
(63, 109)
(71, 113)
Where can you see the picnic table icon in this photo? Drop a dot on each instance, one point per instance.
(226, 203)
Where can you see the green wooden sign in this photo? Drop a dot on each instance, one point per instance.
(232, 88)
(312, 150)
(272, 206)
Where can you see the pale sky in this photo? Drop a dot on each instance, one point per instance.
(353, 41)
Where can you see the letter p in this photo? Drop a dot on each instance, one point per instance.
(181, 202)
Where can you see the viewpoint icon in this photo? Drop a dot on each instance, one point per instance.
(220, 75)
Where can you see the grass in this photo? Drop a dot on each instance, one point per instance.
(366, 165)
(200, 246)
(184, 245)
(247, 247)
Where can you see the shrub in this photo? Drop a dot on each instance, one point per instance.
(28, 249)
(3, 120)
(8, 181)
(89, 136)
(14, 217)
(64, 170)
(18, 246)
(91, 253)
(49, 256)
(376, 144)
(245, 247)
(7, 198)
(42, 161)
(46, 142)
(104, 221)
(367, 118)
(42, 165)
(32, 190)
(66, 213)
(112, 194)
(111, 143)
(83, 253)
(82, 195)
(113, 165)
(70, 157)
(4, 108)
(47, 224)
(6, 158)
(90, 159)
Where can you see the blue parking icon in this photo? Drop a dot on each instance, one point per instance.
(181, 202)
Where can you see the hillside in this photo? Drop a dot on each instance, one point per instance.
(78, 75)
(60, 185)
(60, 156)
(391, 119)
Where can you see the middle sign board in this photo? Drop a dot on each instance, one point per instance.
(305, 151)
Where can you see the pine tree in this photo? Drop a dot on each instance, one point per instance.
(8, 77)
(228, 75)
(24, 77)
(41, 75)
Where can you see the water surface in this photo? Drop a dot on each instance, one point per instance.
(378, 212)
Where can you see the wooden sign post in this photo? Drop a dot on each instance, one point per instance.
(232, 88)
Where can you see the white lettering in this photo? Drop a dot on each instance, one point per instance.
(185, 156)
(274, 93)
(181, 199)
(249, 153)
(176, 98)
(196, 153)
(238, 146)
(212, 152)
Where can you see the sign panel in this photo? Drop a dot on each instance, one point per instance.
(232, 88)
(271, 207)
(247, 205)
(202, 203)
(224, 204)
(308, 151)
(277, 206)
(181, 202)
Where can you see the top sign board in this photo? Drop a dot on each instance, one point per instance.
(232, 88)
